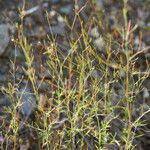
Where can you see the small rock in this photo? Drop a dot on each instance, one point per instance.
(116, 94)
(122, 73)
(146, 83)
(4, 101)
(54, 1)
(100, 3)
(99, 43)
(52, 13)
(15, 54)
(23, 147)
(96, 74)
(60, 19)
(39, 32)
(28, 101)
(146, 93)
(45, 73)
(4, 38)
(1, 137)
(29, 22)
(4, 71)
(3, 77)
(67, 9)
(94, 32)
(42, 86)
(11, 29)
(116, 126)
(89, 140)
(136, 41)
(58, 29)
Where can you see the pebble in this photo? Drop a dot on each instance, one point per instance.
(15, 54)
(94, 32)
(28, 101)
(94, 74)
(4, 100)
(116, 94)
(4, 38)
(54, 1)
(52, 13)
(67, 9)
(100, 3)
(60, 19)
(146, 93)
(99, 43)
(28, 21)
(122, 73)
(3, 77)
(58, 29)
(4, 71)
(39, 32)
(42, 86)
